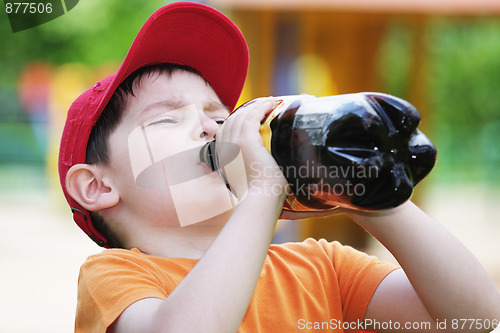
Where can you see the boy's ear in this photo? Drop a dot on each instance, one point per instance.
(85, 183)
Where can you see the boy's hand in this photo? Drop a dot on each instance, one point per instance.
(297, 215)
(254, 168)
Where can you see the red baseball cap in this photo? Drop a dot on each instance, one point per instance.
(184, 33)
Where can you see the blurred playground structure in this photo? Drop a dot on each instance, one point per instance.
(442, 56)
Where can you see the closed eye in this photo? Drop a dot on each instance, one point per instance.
(159, 121)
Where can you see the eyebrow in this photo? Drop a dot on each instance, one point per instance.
(216, 106)
(168, 103)
(177, 103)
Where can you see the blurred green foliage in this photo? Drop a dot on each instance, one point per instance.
(463, 85)
(93, 33)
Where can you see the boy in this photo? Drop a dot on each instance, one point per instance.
(193, 261)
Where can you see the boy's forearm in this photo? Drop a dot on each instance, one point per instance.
(447, 277)
(215, 295)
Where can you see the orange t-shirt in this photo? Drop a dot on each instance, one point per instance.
(308, 286)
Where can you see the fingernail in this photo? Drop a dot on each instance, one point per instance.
(277, 102)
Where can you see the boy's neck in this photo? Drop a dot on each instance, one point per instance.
(181, 242)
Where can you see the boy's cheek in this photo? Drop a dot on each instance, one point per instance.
(189, 184)
(138, 149)
(147, 148)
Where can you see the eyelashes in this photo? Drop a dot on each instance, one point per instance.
(172, 120)
(164, 120)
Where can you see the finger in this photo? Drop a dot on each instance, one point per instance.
(246, 120)
(256, 110)
(253, 101)
(263, 109)
(293, 215)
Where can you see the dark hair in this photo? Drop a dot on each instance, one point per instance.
(110, 118)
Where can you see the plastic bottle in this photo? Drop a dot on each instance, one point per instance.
(360, 151)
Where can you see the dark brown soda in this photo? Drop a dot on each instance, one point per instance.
(360, 151)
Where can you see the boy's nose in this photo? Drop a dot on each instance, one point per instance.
(208, 127)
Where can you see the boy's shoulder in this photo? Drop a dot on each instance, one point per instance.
(121, 267)
(115, 262)
(295, 256)
(307, 248)
(130, 257)
(312, 247)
